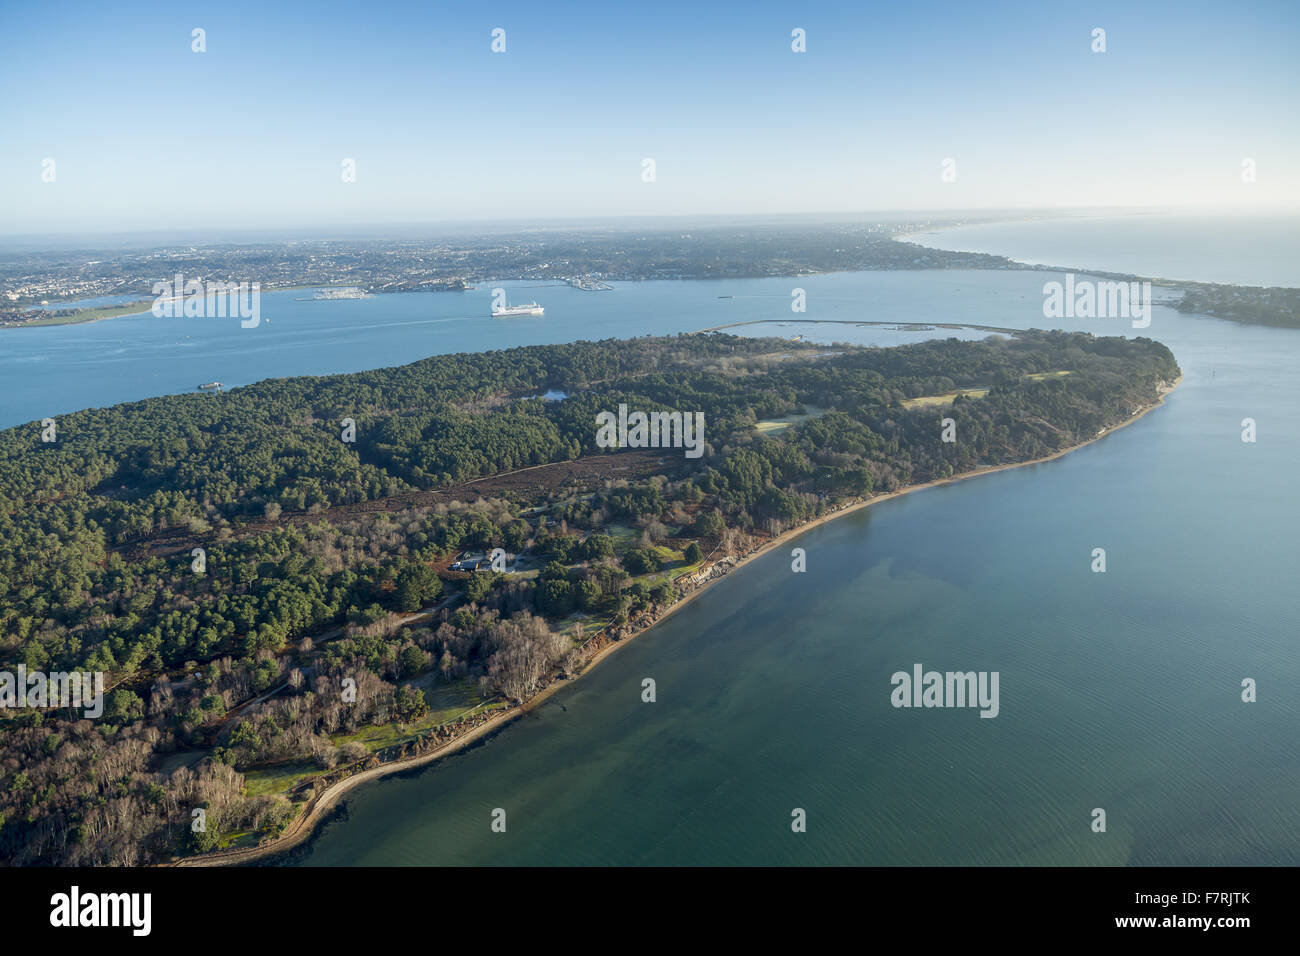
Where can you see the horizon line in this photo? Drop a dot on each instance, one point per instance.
(532, 223)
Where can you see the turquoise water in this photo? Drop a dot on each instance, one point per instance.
(1262, 250)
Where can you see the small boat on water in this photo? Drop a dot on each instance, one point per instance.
(211, 387)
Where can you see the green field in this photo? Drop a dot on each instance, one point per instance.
(771, 426)
(624, 536)
(945, 399)
(446, 702)
(1041, 376)
(91, 315)
(278, 779)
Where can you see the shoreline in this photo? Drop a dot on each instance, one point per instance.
(148, 303)
(305, 825)
(925, 239)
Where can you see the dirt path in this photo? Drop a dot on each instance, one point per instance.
(588, 472)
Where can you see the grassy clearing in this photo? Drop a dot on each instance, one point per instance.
(675, 573)
(945, 399)
(582, 626)
(623, 535)
(238, 840)
(281, 778)
(771, 426)
(446, 702)
(675, 566)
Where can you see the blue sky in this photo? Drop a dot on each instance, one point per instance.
(146, 134)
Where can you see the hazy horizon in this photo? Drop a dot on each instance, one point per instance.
(913, 111)
(416, 230)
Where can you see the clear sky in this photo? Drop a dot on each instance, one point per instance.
(146, 134)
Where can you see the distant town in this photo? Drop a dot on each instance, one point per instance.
(34, 284)
(36, 288)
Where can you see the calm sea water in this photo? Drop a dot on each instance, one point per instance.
(1118, 690)
(1262, 250)
(57, 369)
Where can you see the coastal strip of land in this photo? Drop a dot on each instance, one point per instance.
(81, 316)
(100, 313)
(321, 805)
(1277, 306)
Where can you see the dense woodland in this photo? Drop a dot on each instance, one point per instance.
(303, 589)
(1249, 304)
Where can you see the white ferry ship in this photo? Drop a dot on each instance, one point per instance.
(532, 308)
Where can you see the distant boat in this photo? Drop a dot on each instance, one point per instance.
(211, 387)
(532, 308)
